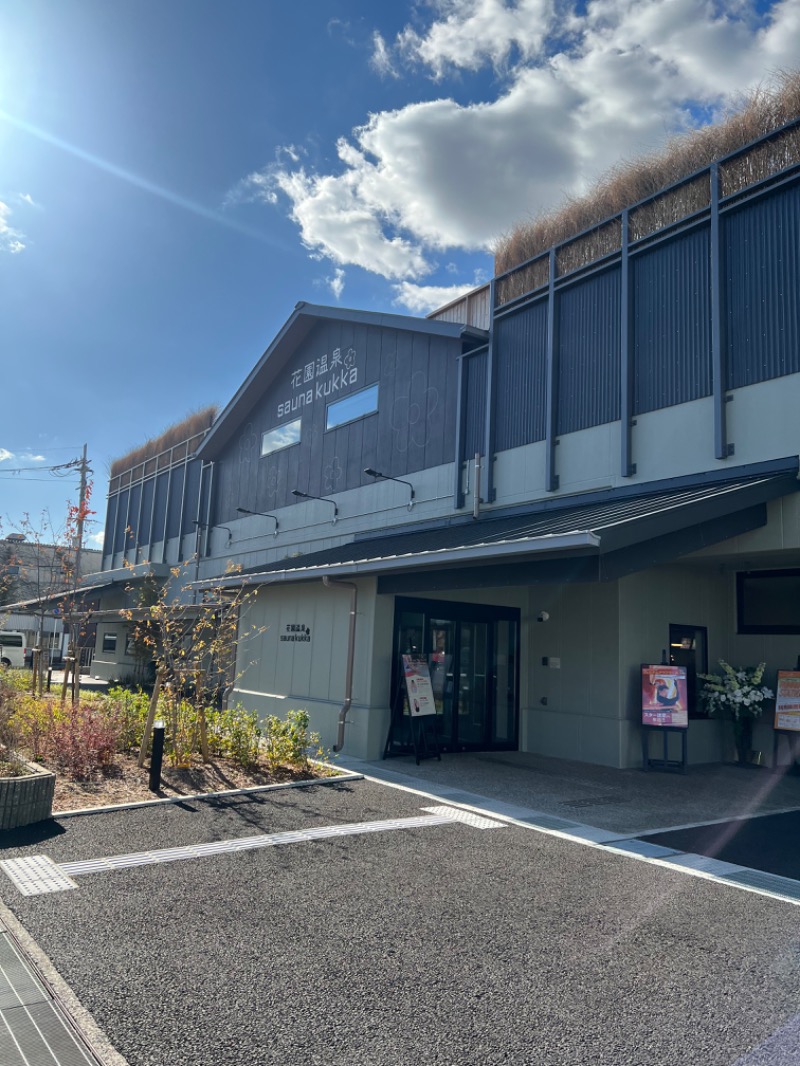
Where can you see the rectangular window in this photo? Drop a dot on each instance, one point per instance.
(280, 437)
(109, 642)
(356, 405)
(768, 601)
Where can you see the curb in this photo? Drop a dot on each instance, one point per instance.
(346, 776)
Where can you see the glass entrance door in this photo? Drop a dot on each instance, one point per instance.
(473, 659)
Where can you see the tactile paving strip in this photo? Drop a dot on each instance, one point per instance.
(221, 847)
(456, 814)
(37, 875)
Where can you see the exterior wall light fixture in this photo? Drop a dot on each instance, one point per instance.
(308, 496)
(388, 477)
(205, 525)
(263, 514)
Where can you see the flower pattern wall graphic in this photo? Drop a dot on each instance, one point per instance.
(332, 473)
(414, 416)
(247, 443)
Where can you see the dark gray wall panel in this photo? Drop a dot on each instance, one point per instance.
(120, 538)
(414, 426)
(520, 350)
(475, 397)
(160, 506)
(672, 322)
(108, 537)
(588, 356)
(191, 496)
(761, 271)
(174, 502)
(148, 490)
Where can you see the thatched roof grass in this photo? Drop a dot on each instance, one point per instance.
(761, 113)
(192, 426)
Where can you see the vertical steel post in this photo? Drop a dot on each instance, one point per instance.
(551, 477)
(491, 403)
(627, 466)
(718, 369)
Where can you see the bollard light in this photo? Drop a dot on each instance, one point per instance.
(157, 758)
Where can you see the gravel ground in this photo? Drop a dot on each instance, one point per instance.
(446, 945)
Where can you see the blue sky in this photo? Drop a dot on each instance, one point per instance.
(176, 174)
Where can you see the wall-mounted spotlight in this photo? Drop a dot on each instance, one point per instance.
(205, 525)
(308, 496)
(263, 514)
(388, 477)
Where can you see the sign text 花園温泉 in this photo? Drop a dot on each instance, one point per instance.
(297, 633)
(320, 379)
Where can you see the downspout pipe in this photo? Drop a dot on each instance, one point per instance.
(330, 583)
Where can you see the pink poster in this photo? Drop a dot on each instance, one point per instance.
(418, 686)
(664, 698)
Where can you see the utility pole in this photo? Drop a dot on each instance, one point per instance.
(83, 465)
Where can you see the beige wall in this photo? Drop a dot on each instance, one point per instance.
(277, 675)
(580, 718)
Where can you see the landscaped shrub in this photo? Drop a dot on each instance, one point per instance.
(82, 740)
(128, 708)
(32, 722)
(287, 743)
(235, 734)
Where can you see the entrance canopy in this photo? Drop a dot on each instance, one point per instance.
(595, 537)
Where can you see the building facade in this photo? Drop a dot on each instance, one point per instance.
(590, 465)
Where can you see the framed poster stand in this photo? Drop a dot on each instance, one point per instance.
(415, 732)
(664, 710)
(664, 763)
(787, 719)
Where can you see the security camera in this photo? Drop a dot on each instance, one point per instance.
(542, 616)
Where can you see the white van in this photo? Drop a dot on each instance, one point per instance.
(12, 649)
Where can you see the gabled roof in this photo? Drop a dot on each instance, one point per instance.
(295, 330)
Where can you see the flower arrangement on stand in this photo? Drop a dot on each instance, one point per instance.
(740, 695)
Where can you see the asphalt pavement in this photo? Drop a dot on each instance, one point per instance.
(383, 941)
(770, 842)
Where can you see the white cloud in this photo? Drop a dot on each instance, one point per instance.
(26, 198)
(337, 283)
(381, 60)
(11, 240)
(419, 299)
(583, 88)
(95, 540)
(5, 454)
(473, 32)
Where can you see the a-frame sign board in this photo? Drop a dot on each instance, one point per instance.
(417, 731)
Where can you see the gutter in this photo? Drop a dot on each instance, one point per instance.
(330, 583)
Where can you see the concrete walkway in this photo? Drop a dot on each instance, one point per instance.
(623, 802)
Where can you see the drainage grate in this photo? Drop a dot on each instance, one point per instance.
(643, 848)
(547, 821)
(37, 875)
(18, 987)
(456, 814)
(783, 886)
(705, 864)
